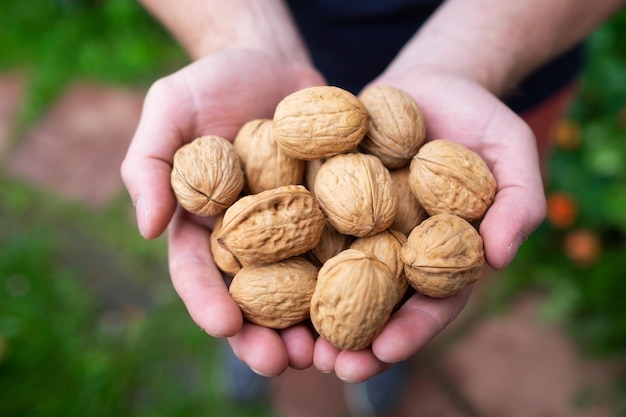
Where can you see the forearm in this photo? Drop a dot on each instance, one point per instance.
(204, 27)
(497, 43)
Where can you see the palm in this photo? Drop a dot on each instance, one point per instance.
(458, 110)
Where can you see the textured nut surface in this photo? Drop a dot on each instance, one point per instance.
(447, 177)
(356, 194)
(331, 243)
(443, 255)
(396, 128)
(224, 260)
(272, 225)
(264, 163)
(276, 295)
(386, 246)
(410, 212)
(206, 175)
(353, 299)
(318, 122)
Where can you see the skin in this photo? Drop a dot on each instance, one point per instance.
(470, 53)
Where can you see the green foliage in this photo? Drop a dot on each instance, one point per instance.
(59, 41)
(588, 295)
(88, 331)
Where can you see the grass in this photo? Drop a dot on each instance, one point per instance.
(89, 330)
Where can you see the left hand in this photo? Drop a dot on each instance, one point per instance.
(460, 110)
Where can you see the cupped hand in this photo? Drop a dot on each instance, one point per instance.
(215, 95)
(460, 110)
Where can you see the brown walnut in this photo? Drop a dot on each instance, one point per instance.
(272, 225)
(386, 246)
(353, 299)
(443, 255)
(447, 177)
(265, 164)
(206, 175)
(396, 128)
(275, 295)
(318, 122)
(356, 194)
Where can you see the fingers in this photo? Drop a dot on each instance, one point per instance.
(299, 342)
(262, 349)
(197, 280)
(349, 366)
(148, 162)
(419, 320)
(519, 205)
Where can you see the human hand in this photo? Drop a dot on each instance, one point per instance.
(215, 95)
(457, 109)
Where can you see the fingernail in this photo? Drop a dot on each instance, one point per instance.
(141, 211)
(513, 247)
(263, 374)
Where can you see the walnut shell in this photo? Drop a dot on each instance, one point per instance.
(443, 255)
(224, 260)
(331, 243)
(410, 212)
(356, 194)
(319, 122)
(272, 225)
(396, 128)
(206, 175)
(353, 299)
(275, 295)
(386, 246)
(447, 177)
(265, 165)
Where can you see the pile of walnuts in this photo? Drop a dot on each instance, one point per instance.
(333, 208)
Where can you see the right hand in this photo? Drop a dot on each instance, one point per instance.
(215, 95)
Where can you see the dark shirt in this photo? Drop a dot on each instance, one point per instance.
(352, 42)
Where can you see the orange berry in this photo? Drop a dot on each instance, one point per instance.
(566, 134)
(561, 210)
(582, 246)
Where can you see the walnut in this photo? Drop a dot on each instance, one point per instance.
(386, 246)
(396, 128)
(224, 260)
(265, 164)
(410, 213)
(447, 177)
(353, 299)
(319, 122)
(331, 243)
(206, 175)
(276, 295)
(272, 225)
(443, 255)
(356, 194)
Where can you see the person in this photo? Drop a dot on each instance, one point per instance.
(475, 67)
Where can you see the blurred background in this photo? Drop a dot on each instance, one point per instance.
(89, 322)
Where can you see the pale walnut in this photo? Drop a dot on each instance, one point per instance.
(410, 212)
(206, 175)
(396, 128)
(310, 172)
(443, 255)
(318, 122)
(272, 225)
(356, 194)
(386, 246)
(265, 164)
(331, 243)
(353, 299)
(224, 260)
(447, 177)
(275, 295)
